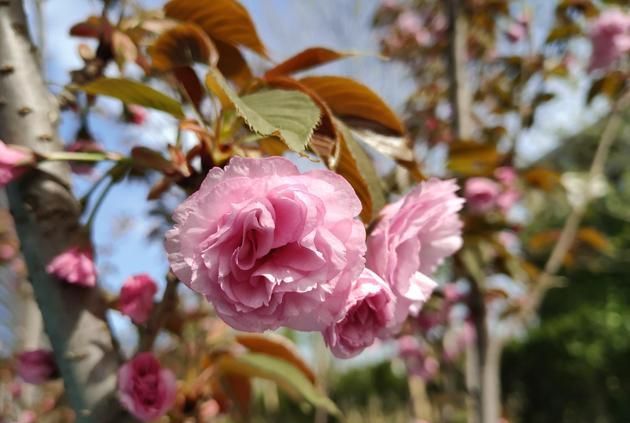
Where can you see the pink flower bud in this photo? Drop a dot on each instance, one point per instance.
(481, 194)
(75, 265)
(136, 297)
(146, 389)
(36, 366)
(14, 161)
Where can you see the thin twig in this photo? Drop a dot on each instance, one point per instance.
(571, 226)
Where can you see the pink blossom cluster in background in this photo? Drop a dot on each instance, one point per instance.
(610, 38)
(484, 194)
(282, 248)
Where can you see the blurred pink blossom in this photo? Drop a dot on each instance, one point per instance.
(481, 194)
(36, 366)
(146, 389)
(610, 37)
(136, 297)
(75, 265)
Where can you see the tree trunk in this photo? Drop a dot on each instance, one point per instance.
(46, 217)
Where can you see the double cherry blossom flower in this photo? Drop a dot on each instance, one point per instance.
(269, 246)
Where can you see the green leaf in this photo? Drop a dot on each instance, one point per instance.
(284, 374)
(289, 115)
(133, 92)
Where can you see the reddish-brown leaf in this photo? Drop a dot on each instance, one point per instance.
(306, 59)
(349, 98)
(182, 45)
(542, 178)
(186, 76)
(225, 20)
(232, 64)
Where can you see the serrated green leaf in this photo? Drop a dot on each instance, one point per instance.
(133, 92)
(284, 374)
(289, 115)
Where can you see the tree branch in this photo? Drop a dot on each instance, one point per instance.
(46, 217)
(571, 226)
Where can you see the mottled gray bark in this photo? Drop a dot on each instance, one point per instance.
(46, 216)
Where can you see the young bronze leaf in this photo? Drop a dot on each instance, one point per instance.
(284, 374)
(182, 45)
(232, 64)
(276, 346)
(356, 166)
(472, 158)
(349, 98)
(187, 77)
(289, 115)
(133, 92)
(306, 59)
(225, 20)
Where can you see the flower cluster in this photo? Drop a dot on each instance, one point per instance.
(270, 247)
(610, 37)
(484, 194)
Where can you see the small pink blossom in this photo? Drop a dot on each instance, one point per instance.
(27, 416)
(136, 114)
(506, 175)
(7, 252)
(36, 366)
(368, 314)
(409, 23)
(610, 37)
(414, 235)
(516, 32)
(481, 194)
(507, 199)
(14, 161)
(75, 265)
(146, 389)
(408, 346)
(269, 246)
(416, 359)
(136, 297)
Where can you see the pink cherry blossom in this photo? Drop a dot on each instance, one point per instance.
(136, 114)
(610, 37)
(36, 366)
(413, 236)
(14, 161)
(368, 314)
(146, 389)
(269, 246)
(481, 194)
(136, 297)
(416, 359)
(409, 23)
(75, 265)
(506, 175)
